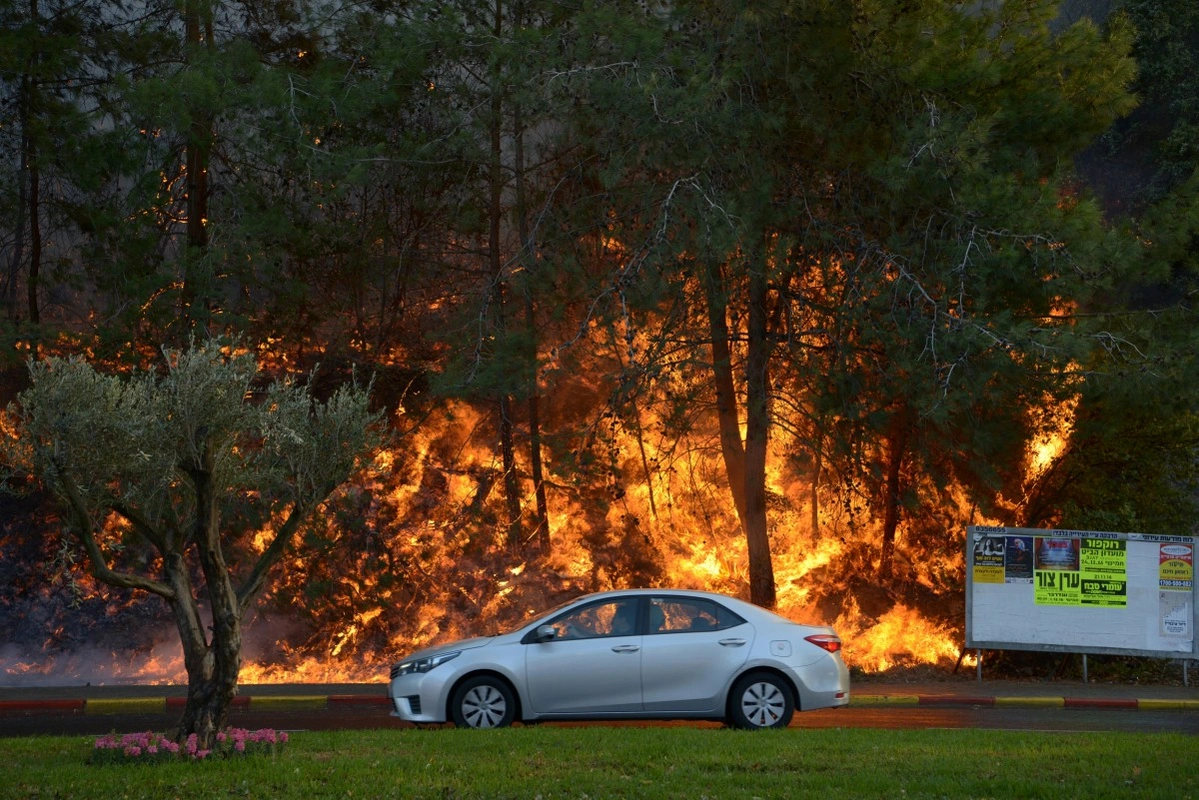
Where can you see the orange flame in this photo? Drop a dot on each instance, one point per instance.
(423, 570)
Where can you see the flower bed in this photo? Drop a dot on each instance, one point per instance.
(146, 747)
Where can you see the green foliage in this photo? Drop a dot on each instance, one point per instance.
(902, 175)
(890, 185)
(131, 441)
(1167, 53)
(164, 475)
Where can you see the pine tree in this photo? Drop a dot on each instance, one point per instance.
(868, 201)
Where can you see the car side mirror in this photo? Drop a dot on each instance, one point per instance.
(545, 633)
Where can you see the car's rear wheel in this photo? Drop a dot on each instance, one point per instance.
(761, 700)
(484, 701)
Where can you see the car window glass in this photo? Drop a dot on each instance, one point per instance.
(613, 618)
(544, 615)
(689, 615)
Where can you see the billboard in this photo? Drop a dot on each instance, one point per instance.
(1080, 591)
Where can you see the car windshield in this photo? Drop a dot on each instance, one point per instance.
(543, 615)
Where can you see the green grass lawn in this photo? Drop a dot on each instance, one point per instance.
(635, 762)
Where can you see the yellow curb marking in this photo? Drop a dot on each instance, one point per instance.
(289, 702)
(884, 700)
(128, 705)
(1040, 702)
(1170, 705)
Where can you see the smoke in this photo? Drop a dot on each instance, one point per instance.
(159, 663)
(158, 660)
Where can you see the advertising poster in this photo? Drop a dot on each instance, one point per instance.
(1175, 614)
(1055, 569)
(1176, 567)
(988, 559)
(1175, 580)
(1103, 565)
(1017, 564)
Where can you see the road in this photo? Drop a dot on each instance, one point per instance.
(362, 716)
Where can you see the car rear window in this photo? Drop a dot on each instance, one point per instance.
(689, 615)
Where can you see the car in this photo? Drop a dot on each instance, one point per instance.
(629, 654)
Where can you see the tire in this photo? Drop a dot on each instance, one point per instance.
(484, 701)
(761, 700)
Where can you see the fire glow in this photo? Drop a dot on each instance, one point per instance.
(406, 564)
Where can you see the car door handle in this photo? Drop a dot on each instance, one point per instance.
(626, 648)
(732, 642)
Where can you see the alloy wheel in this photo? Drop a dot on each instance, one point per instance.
(763, 703)
(484, 706)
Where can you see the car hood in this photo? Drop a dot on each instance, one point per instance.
(464, 644)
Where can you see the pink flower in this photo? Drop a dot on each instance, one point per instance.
(229, 742)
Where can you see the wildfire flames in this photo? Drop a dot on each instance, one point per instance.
(401, 561)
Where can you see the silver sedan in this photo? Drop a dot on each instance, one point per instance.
(630, 654)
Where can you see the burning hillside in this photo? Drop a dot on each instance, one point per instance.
(409, 555)
(734, 298)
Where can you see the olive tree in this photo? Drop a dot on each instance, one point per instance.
(189, 482)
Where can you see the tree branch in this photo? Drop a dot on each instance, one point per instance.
(141, 525)
(270, 556)
(86, 533)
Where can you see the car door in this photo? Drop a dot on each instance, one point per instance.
(592, 665)
(692, 648)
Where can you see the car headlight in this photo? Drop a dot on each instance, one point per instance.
(423, 664)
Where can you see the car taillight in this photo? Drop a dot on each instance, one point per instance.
(825, 641)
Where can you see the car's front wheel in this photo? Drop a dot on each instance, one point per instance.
(761, 700)
(484, 701)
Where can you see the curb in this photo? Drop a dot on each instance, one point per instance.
(875, 700)
(161, 705)
(126, 705)
(17, 706)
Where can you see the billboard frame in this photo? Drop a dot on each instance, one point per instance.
(1037, 642)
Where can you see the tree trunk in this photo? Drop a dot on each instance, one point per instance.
(543, 510)
(200, 712)
(495, 263)
(31, 180)
(511, 479)
(528, 248)
(213, 684)
(212, 672)
(18, 245)
(897, 440)
(635, 418)
(757, 384)
(35, 237)
(729, 425)
(199, 143)
(814, 492)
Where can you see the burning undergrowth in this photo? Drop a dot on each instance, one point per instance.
(56, 623)
(414, 552)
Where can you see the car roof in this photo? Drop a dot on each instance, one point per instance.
(734, 602)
